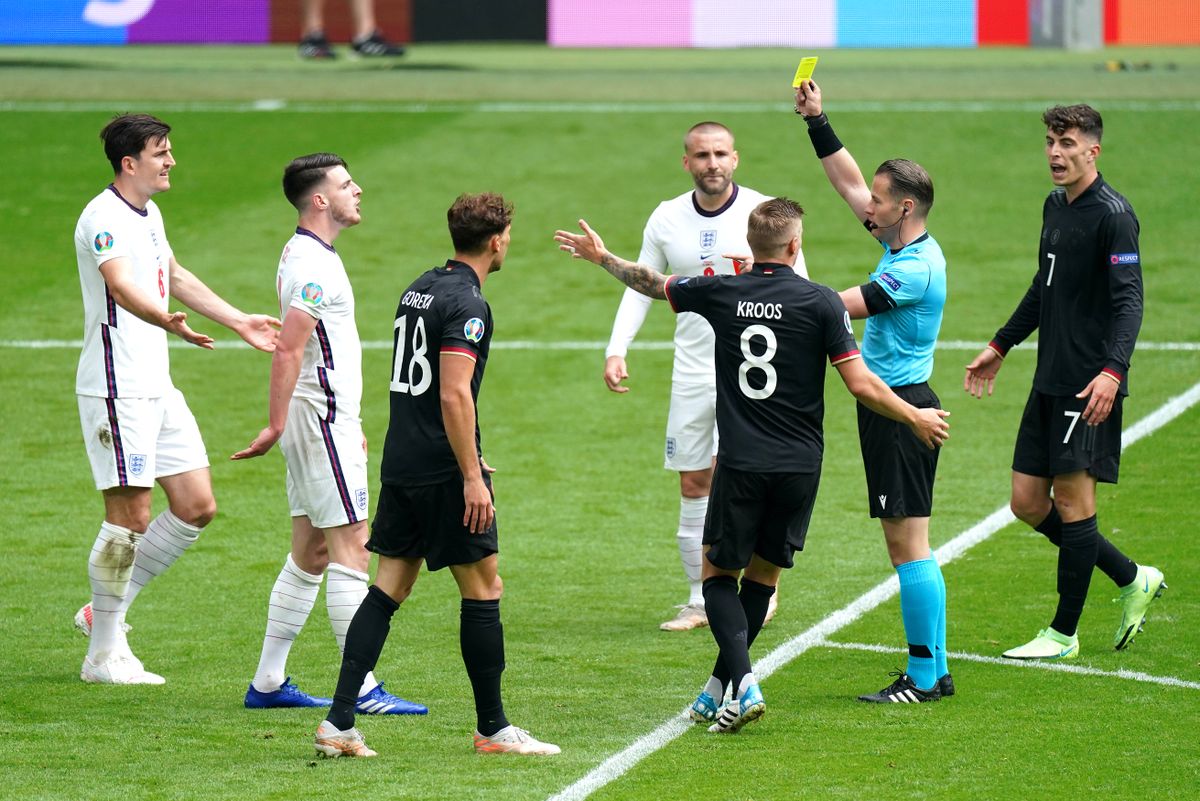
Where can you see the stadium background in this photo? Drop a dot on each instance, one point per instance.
(612, 23)
(586, 510)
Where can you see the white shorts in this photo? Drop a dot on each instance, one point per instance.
(691, 427)
(131, 442)
(326, 467)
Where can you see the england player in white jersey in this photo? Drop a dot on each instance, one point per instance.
(691, 234)
(137, 427)
(315, 393)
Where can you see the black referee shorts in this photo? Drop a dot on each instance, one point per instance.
(1054, 440)
(900, 469)
(758, 513)
(426, 522)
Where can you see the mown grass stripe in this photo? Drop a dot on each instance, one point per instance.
(620, 763)
(1061, 667)
(275, 106)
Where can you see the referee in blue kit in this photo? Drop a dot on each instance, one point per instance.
(902, 302)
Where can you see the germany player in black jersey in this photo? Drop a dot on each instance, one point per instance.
(1086, 303)
(436, 504)
(774, 332)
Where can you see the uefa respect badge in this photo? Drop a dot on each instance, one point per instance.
(103, 241)
(473, 329)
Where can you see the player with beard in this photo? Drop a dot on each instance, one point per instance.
(690, 235)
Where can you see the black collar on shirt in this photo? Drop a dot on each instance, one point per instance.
(920, 238)
(136, 210)
(772, 268)
(462, 268)
(324, 244)
(1093, 187)
(724, 208)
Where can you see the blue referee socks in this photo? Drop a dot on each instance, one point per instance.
(922, 605)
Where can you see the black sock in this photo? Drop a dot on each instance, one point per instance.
(481, 637)
(727, 619)
(755, 598)
(1051, 526)
(1076, 558)
(364, 641)
(1112, 563)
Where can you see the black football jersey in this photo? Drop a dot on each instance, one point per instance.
(774, 333)
(443, 311)
(1086, 298)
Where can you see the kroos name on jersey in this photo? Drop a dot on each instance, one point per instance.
(763, 311)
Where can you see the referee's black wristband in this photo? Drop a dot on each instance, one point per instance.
(824, 140)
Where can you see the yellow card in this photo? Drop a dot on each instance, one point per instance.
(804, 71)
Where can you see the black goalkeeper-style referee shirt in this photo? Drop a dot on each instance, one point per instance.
(774, 333)
(442, 311)
(1086, 298)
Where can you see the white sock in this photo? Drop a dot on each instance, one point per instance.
(166, 538)
(691, 544)
(715, 688)
(110, 565)
(747, 680)
(345, 589)
(292, 598)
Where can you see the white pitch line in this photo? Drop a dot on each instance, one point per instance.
(1061, 667)
(617, 765)
(529, 344)
(275, 106)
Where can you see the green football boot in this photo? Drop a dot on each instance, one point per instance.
(1135, 600)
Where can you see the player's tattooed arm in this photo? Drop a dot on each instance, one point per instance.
(590, 247)
(639, 277)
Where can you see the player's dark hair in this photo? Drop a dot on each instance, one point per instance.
(127, 135)
(772, 225)
(306, 172)
(1081, 116)
(474, 219)
(910, 180)
(707, 127)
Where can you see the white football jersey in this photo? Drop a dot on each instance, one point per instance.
(684, 239)
(312, 278)
(123, 356)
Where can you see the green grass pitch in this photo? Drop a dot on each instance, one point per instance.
(587, 515)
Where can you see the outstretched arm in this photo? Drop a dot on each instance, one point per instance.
(840, 166)
(590, 247)
(118, 277)
(259, 330)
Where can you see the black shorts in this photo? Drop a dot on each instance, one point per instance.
(900, 469)
(1053, 439)
(758, 513)
(426, 522)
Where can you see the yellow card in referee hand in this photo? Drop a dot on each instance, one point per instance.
(804, 71)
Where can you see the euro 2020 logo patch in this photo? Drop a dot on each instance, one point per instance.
(312, 294)
(473, 329)
(103, 241)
